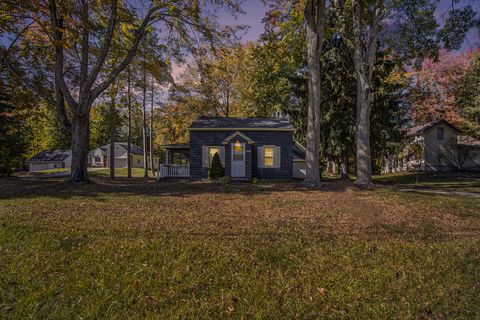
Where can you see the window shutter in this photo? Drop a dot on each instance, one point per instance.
(277, 157)
(205, 155)
(222, 155)
(260, 157)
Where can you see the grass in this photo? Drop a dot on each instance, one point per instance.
(98, 172)
(457, 181)
(50, 171)
(167, 250)
(119, 172)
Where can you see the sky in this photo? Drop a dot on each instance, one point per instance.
(255, 11)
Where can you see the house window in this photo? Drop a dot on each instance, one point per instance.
(237, 152)
(97, 159)
(211, 153)
(138, 160)
(268, 153)
(440, 133)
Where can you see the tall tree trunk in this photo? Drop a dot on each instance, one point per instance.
(362, 136)
(344, 164)
(88, 87)
(59, 99)
(314, 20)
(364, 59)
(80, 136)
(112, 134)
(145, 157)
(151, 133)
(129, 142)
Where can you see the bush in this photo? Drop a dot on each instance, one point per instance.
(215, 171)
(224, 180)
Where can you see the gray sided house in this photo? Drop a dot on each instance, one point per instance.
(50, 159)
(100, 156)
(248, 147)
(436, 146)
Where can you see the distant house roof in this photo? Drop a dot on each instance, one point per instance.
(51, 156)
(421, 128)
(134, 149)
(299, 151)
(241, 123)
(468, 141)
(177, 146)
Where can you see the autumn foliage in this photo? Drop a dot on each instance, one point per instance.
(437, 87)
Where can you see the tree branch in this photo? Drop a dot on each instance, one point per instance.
(57, 36)
(85, 46)
(373, 37)
(107, 42)
(139, 33)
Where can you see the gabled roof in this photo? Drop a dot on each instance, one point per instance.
(212, 123)
(299, 151)
(177, 146)
(421, 128)
(238, 134)
(52, 155)
(134, 149)
(468, 141)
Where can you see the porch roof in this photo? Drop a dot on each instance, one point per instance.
(177, 146)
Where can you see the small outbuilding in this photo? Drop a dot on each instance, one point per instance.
(50, 159)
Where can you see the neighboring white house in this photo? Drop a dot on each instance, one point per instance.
(100, 157)
(436, 146)
(50, 159)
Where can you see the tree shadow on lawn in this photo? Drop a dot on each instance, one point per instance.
(30, 187)
(445, 180)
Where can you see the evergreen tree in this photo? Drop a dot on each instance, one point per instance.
(12, 141)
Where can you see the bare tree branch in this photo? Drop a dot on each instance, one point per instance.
(107, 42)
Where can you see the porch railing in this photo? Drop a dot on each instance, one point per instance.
(174, 171)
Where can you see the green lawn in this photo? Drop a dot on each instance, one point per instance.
(143, 249)
(50, 171)
(458, 181)
(99, 172)
(119, 172)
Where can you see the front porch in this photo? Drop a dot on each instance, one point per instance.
(177, 161)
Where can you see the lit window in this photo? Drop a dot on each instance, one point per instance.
(212, 151)
(268, 156)
(237, 152)
(440, 133)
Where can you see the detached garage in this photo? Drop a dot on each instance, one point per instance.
(51, 159)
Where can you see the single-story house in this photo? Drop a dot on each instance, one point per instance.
(100, 156)
(50, 159)
(248, 148)
(436, 146)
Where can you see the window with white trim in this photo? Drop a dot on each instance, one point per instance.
(268, 157)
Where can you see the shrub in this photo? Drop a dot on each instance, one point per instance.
(215, 171)
(224, 180)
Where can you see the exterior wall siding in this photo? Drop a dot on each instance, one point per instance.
(283, 139)
(439, 155)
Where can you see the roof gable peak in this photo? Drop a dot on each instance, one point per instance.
(239, 134)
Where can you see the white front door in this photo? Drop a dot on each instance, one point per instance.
(238, 160)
